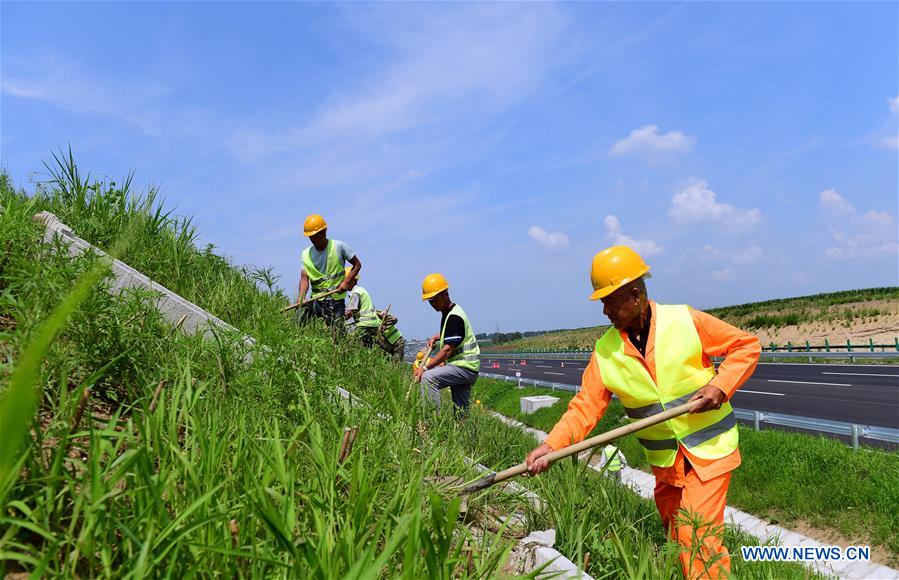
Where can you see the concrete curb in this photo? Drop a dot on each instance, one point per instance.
(172, 306)
(643, 484)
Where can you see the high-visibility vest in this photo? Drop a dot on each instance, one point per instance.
(331, 277)
(366, 316)
(679, 373)
(467, 354)
(611, 463)
(392, 334)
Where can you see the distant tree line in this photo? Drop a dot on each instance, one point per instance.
(502, 337)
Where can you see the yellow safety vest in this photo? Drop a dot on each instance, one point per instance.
(329, 279)
(680, 373)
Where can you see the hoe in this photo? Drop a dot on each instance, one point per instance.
(494, 478)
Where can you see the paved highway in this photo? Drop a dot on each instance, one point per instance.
(865, 394)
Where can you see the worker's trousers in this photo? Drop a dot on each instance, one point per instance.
(459, 381)
(703, 553)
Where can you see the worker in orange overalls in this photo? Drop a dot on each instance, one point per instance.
(653, 358)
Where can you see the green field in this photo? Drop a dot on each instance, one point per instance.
(130, 450)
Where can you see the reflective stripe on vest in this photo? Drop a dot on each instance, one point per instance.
(680, 373)
(392, 334)
(330, 278)
(467, 354)
(366, 315)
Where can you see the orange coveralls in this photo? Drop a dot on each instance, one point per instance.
(696, 484)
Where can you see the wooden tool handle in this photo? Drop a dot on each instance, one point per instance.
(313, 299)
(584, 445)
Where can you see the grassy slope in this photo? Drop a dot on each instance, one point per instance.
(785, 477)
(235, 472)
(840, 308)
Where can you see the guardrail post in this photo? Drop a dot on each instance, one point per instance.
(848, 346)
(756, 419)
(896, 342)
(826, 345)
(871, 344)
(554, 385)
(855, 431)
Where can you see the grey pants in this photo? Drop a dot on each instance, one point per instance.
(459, 381)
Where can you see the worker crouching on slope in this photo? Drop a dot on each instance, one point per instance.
(359, 308)
(657, 357)
(323, 269)
(456, 345)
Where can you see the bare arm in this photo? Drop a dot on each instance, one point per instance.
(354, 271)
(304, 286)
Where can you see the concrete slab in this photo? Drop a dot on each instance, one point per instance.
(531, 404)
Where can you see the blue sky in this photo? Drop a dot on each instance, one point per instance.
(748, 150)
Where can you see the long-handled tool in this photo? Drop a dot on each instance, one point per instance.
(313, 299)
(384, 320)
(494, 478)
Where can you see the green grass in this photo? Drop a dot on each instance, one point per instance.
(185, 460)
(785, 477)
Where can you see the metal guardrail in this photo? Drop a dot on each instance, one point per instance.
(796, 354)
(854, 430)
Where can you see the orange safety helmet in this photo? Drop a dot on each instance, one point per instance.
(613, 268)
(314, 223)
(433, 285)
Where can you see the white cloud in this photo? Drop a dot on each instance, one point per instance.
(66, 84)
(647, 139)
(452, 71)
(696, 203)
(894, 104)
(856, 234)
(723, 274)
(549, 240)
(645, 248)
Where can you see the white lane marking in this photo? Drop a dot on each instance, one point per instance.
(810, 383)
(761, 393)
(544, 367)
(560, 374)
(861, 374)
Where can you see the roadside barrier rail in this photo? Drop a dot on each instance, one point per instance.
(774, 355)
(855, 431)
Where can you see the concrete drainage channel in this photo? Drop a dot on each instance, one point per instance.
(533, 552)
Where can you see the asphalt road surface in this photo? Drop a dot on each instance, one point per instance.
(865, 394)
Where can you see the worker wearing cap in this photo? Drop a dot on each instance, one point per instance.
(455, 344)
(323, 269)
(656, 357)
(359, 308)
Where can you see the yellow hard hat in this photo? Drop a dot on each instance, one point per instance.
(613, 268)
(420, 355)
(346, 271)
(314, 223)
(433, 285)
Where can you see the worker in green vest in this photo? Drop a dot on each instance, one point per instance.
(371, 325)
(361, 311)
(455, 344)
(613, 461)
(655, 357)
(323, 270)
(391, 339)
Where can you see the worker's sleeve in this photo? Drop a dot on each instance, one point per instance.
(352, 302)
(584, 411)
(455, 331)
(345, 251)
(740, 350)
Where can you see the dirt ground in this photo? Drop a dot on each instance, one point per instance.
(882, 329)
